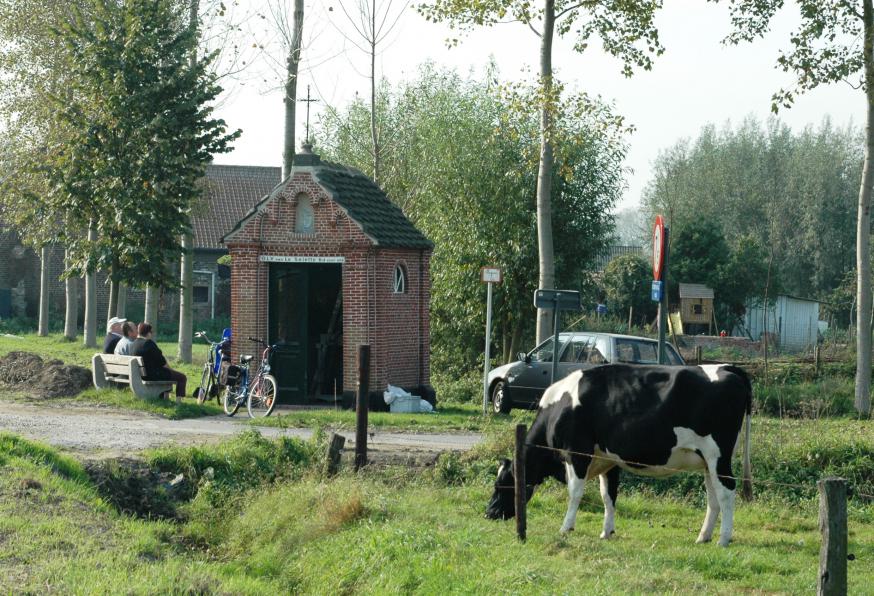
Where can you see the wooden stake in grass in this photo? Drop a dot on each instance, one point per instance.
(519, 473)
(833, 526)
(361, 406)
(335, 448)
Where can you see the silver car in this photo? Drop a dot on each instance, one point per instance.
(520, 384)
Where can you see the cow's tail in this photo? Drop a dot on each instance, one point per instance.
(747, 487)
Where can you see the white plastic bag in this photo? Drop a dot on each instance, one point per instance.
(425, 407)
(392, 393)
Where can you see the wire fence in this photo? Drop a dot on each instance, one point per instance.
(648, 466)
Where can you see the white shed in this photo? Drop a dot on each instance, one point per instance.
(794, 321)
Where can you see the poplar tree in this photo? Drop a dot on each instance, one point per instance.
(141, 132)
(833, 43)
(625, 29)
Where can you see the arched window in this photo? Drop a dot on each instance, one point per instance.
(305, 220)
(400, 279)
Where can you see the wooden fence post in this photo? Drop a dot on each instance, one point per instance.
(698, 355)
(361, 406)
(833, 526)
(335, 447)
(519, 473)
(816, 360)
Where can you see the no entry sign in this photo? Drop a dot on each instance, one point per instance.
(658, 248)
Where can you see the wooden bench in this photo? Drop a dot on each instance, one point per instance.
(111, 370)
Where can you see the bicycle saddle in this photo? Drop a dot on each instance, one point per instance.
(246, 358)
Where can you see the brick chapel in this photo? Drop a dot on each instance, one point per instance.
(323, 263)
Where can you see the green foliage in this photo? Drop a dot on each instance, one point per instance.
(461, 162)
(625, 30)
(626, 285)
(741, 182)
(824, 49)
(700, 254)
(138, 136)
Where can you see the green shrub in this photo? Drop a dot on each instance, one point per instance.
(467, 388)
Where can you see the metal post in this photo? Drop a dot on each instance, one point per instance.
(519, 477)
(361, 406)
(555, 346)
(488, 348)
(832, 578)
(663, 303)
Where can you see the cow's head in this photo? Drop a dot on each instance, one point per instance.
(502, 504)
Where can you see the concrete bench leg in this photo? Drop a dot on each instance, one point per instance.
(98, 372)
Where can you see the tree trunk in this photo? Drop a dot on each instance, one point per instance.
(373, 135)
(185, 297)
(150, 314)
(44, 255)
(544, 174)
(863, 233)
(514, 341)
(112, 307)
(71, 316)
(90, 335)
(121, 305)
(292, 64)
(186, 265)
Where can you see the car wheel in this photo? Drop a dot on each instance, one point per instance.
(501, 403)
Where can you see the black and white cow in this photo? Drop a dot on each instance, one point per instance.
(648, 420)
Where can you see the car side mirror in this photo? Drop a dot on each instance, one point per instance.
(524, 357)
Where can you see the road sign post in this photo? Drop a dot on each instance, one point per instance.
(557, 300)
(489, 276)
(660, 233)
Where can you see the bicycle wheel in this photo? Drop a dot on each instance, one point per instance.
(230, 401)
(262, 397)
(202, 392)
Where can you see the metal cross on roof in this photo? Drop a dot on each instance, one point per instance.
(308, 101)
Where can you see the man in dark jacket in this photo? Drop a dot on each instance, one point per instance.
(154, 361)
(113, 334)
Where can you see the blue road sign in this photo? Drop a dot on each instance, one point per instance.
(658, 290)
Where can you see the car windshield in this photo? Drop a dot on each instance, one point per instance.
(644, 352)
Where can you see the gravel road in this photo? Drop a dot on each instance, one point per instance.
(110, 432)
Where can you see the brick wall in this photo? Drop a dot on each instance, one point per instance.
(395, 325)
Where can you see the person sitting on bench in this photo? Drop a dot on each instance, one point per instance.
(129, 333)
(113, 334)
(154, 361)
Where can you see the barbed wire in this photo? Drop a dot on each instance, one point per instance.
(850, 489)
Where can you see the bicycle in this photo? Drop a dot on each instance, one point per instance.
(210, 387)
(260, 395)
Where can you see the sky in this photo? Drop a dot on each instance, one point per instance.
(698, 80)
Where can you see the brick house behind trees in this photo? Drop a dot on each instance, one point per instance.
(230, 191)
(322, 264)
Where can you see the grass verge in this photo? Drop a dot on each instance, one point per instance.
(446, 418)
(258, 516)
(70, 352)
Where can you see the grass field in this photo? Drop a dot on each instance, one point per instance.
(57, 347)
(259, 517)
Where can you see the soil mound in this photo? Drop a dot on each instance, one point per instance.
(44, 379)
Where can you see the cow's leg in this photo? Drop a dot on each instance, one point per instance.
(609, 491)
(725, 485)
(712, 509)
(575, 485)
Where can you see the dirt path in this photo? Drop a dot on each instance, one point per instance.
(110, 432)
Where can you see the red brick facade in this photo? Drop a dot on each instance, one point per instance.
(396, 325)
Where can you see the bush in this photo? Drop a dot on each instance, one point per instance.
(464, 389)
